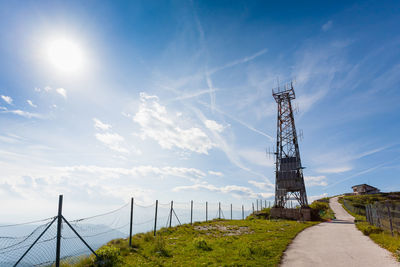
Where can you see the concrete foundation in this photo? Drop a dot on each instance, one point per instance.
(291, 214)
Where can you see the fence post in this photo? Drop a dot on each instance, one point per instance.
(231, 211)
(378, 217)
(252, 204)
(206, 211)
(191, 212)
(257, 204)
(242, 212)
(219, 210)
(390, 217)
(155, 219)
(59, 223)
(130, 224)
(170, 213)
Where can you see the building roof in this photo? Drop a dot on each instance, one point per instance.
(364, 185)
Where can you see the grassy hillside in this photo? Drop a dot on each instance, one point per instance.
(251, 242)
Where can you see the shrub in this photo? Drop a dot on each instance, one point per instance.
(201, 243)
(248, 251)
(107, 257)
(147, 237)
(159, 247)
(369, 229)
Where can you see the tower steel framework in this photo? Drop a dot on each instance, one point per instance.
(289, 184)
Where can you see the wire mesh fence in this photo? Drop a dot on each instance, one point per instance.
(359, 209)
(385, 215)
(35, 243)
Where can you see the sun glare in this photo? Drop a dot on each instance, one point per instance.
(65, 55)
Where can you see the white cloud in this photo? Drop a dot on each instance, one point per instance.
(315, 181)
(234, 190)
(31, 103)
(47, 88)
(262, 185)
(334, 169)
(214, 126)
(62, 92)
(112, 141)
(220, 174)
(313, 198)
(157, 124)
(327, 26)
(7, 99)
(138, 171)
(23, 113)
(100, 125)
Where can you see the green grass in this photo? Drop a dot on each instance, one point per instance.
(379, 236)
(251, 242)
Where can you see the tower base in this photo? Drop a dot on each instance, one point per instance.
(303, 214)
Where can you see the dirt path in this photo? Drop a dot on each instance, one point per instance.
(336, 243)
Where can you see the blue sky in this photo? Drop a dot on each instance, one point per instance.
(172, 100)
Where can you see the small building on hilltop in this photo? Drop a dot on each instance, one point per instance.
(363, 189)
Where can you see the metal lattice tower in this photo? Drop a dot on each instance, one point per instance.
(289, 184)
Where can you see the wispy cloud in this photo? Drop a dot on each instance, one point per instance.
(262, 185)
(315, 181)
(339, 169)
(157, 124)
(220, 174)
(234, 190)
(7, 99)
(62, 92)
(362, 172)
(239, 61)
(25, 114)
(327, 26)
(316, 197)
(100, 125)
(193, 94)
(31, 103)
(226, 148)
(239, 121)
(214, 126)
(113, 141)
(144, 170)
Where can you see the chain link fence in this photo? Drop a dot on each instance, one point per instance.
(36, 243)
(385, 215)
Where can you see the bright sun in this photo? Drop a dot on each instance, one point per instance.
(65, 55)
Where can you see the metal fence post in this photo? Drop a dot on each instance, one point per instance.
(130, 223)
(155, 219)
(252, 204)
(191, 212)
(242, 212)
(170, 213)
(219, 210)
(59, 224)
(231, 211)
(206, 211)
